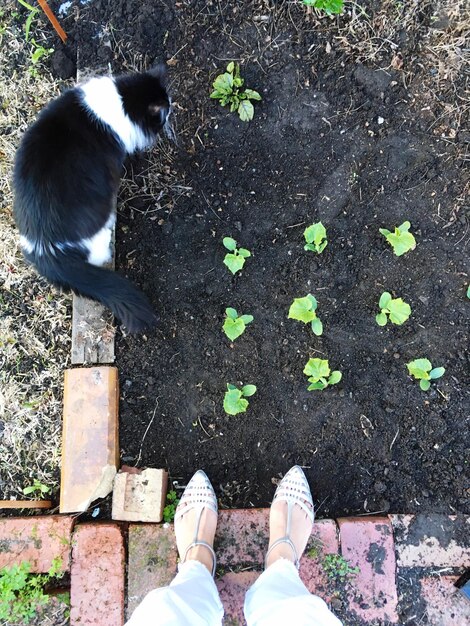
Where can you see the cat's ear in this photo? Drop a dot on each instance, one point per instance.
(158, 71)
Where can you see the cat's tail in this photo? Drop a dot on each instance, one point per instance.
(118, 294)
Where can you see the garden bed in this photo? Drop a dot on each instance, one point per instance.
(349, 131)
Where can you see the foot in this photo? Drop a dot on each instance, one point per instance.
(187, 516)
(301, 527)
(291, 518)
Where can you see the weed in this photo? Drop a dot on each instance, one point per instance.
(468, 291)
(304, 310)
(318, 371)
(234, 399)
(36, 489)
(38, 52)
(337, 567)
(315, 236)
(235, 259)
(401, 240)
(397, 310)
(234, 326)
(330, 7)
(22, 593)
(170, 507)
(228, 90)
(423, 371)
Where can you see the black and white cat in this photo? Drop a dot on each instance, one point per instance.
(66, 178)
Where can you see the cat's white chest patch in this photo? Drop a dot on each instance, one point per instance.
(99, 246)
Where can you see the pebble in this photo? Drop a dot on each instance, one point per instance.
(380, 487)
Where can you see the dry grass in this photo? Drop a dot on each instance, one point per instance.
(34, 319)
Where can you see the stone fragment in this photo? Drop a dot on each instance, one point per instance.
(140, 497)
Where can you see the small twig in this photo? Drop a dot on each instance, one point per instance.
(146, 431)
(394, 439)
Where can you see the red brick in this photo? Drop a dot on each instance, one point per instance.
(37, 540)
(152, 561)
(431, 540)
(97, 576)
(232, 589)
(444, 605)
(367, 543)
(90, 444)
(324, 540)
(242, 537)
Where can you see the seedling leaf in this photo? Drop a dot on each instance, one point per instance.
(246, 111)
(230, 243)
(232, 313)
(317, 385)
(317, 368)
(234, 403)
(244, 252)
(424, 384)
(315, 236)
(234, 263)
(437, 372)
(251, 94)
(301, 309)
(381, 319)
(248, 390)
(233, 328)
(335, 377)
(317, 327)
(401, 240)
(399, 311)
(247, 319)
(384, 299)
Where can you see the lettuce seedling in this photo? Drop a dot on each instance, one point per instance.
(330, 7)
(234, 326)
(401, 240)
(234, 399)
(235, 260)
(228, 90)
(318, 371)
(397, 310)
(304, 310)
(423, 371)
(315, 236)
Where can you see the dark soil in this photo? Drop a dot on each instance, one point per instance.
(316, 150)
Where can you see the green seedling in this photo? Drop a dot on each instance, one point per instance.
(330, 7)
(397, 310)
(338, 568)
(38, 52)
(169, 509)
(228, 90)
(468, 291)
(32, 12)
(318, 371)
(234, 399)
(423, 371)
(304, 310)
(36, 489)
(315, 236)
(234, 326)
(235, 259)
(22, 593)
(401, 240)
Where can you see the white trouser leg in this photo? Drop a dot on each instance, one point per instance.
(279, 597)
(191, 599)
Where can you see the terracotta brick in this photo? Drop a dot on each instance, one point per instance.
(242, 537)
(90, 444)
(324, 540)
(37, 540)
(433, 540)
(97, 576)
(140, 497)
(444, 605)
(367, 543)
(151, 562)
(232, 589)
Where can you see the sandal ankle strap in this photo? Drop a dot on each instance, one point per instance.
(194, 544)
(289, 542)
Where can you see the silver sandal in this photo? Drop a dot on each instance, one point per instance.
(293, 489)
(199, 494)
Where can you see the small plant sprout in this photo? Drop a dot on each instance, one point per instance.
(397, 310)
(315, 236)
(468, 291)
(319, 376)
(228, 90)
(337, 567)
(401, 240)
(330, 7)
(235, 259)
(36, 489)
(304, 310)
(422, 370)
(234, 326)
(170, 506)
(234, 399)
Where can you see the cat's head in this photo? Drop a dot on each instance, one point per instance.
(145, 99)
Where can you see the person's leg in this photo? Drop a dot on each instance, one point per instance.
(192, 597)
(279, 596)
